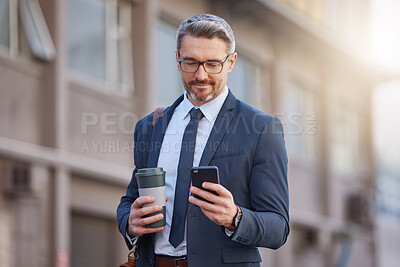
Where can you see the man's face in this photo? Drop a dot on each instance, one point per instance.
(201, 86)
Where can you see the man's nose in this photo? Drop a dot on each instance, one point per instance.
(201, 73)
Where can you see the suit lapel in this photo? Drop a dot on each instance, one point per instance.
(158, 133)
(219, 129)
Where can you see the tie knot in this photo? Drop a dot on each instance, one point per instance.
(196, 113)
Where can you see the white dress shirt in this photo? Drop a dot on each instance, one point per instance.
(169, 159)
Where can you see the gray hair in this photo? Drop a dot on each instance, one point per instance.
(207, 26)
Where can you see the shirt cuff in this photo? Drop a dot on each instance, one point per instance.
(228, 232)
(132, 240)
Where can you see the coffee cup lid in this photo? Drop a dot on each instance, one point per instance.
(150, 171)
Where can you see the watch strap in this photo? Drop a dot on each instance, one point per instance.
(237, 218)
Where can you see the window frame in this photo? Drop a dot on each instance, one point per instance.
(111, 83)
(304, 138)
(36, 30)
(27, 15)
(119, 46)
(166, 28)
(12, 48)
(350, 141)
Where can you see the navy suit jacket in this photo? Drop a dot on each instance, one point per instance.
(248, 148)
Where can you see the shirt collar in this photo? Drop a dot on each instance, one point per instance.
(209, 109)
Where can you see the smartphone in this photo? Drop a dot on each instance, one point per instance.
(204, 174)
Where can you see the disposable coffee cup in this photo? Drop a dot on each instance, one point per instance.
(151, 182)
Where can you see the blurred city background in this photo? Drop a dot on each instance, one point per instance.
(76, 75)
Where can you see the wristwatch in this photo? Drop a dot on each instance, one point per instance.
(237, 218)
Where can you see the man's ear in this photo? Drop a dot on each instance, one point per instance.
(177, 58)
(232, 60)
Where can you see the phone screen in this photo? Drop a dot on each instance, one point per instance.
(204, 174)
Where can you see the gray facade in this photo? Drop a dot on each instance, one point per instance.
(67, 120)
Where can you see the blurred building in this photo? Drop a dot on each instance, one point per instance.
(77, 74)
(386, 104)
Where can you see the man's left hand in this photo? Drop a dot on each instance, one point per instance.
(222, 210)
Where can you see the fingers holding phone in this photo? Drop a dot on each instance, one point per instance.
(215, 201)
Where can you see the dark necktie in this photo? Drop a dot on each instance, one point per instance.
(183, 179)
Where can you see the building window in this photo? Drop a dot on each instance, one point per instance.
(36, 30)
(347, 137)
(100, 44)
(95, 241)
(122, 75)
(169, 83)
(35, 27)
(87, 37)
(262, 95)
(299, 116)
(5, 24)
(249, 82)
(239, 80)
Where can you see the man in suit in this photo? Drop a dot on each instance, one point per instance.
(250, 209)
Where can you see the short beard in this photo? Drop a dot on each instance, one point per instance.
(192, 94)
(208, 98)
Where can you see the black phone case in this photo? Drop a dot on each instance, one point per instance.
(204, 174)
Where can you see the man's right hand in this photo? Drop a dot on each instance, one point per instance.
(137, 223)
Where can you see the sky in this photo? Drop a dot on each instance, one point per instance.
(385, 32)
(385, 24)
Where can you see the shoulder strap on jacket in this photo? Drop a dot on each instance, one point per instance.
(158, 112)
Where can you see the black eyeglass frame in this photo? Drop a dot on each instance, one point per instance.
(201, 63)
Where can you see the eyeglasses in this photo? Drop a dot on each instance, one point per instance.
(211, 67)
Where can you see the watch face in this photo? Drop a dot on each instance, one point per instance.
(237, 219)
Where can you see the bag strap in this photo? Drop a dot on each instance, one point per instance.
(129, 263)
(132, 257)
(158, 112)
